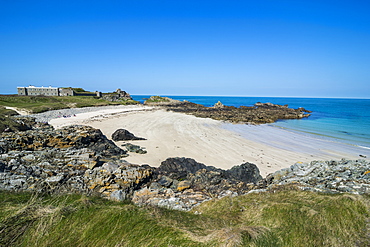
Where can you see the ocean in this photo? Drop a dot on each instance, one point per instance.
(341, 120)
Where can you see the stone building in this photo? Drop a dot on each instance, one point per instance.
(53, 91)
(32, 90)
(66, 92)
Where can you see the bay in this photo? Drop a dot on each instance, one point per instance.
(339, 119)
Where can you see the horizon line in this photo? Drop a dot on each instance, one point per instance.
(308, 97)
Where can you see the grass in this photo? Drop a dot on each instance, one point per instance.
(298, 218)
(37, 104)
(6, 120)
(284, 218)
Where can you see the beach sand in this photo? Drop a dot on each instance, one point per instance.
(209, 141)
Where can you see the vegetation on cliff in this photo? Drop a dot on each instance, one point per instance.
(286, 217)
(9, 123)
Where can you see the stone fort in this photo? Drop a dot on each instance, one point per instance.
(53, 91)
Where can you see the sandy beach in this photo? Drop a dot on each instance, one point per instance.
(210, 141)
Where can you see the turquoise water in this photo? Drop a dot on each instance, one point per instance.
(346, 120)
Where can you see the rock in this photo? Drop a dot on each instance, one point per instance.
(324, 176)
(179, 168)
(54, 180)
(172, 203)
(134, 148)
(75, 136)
(192, 183)
(247, 172)
(29, 157)
(124, 135)
(118, 95)
(17, 183)
(219, 105)
(110, 167)
(118, 195)
(165, 181)
(183, 185)
(2, 167)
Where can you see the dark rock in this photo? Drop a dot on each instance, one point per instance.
(124, 135)
(247, 172)
(165, 181)
(179, 168)
(134, 148)
(2, 167)
(208, 178)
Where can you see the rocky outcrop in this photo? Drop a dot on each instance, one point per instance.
(134, 148)
(124, 135)
(352, 176)
(182, 183)
(118, 95)
(76, 137)
(260, 113)
(219, 105)
(74, 159)
(161, 101)
(70, 171)
(80, 159)
(14, 123)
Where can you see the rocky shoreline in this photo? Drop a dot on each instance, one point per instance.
(80, 159)
(260, 113)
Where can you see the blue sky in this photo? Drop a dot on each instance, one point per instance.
(249, 48)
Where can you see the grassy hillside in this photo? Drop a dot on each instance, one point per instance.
(284, 218)
(36, 104)
(6, 120)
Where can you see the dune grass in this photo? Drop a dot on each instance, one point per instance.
(283, 218)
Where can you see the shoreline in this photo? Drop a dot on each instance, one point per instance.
(209, 141)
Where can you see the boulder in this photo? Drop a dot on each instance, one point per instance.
(218, 105)
(179, 168)
(124, 135)
(117, 195)
(134, 148)
(183, 185)
(186, 174)
(247, 172)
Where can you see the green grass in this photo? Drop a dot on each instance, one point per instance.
(75, 220)
(6, 121)
(37, 104)
(297, 218)
(283, 218)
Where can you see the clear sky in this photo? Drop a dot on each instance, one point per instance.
(313, 48)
